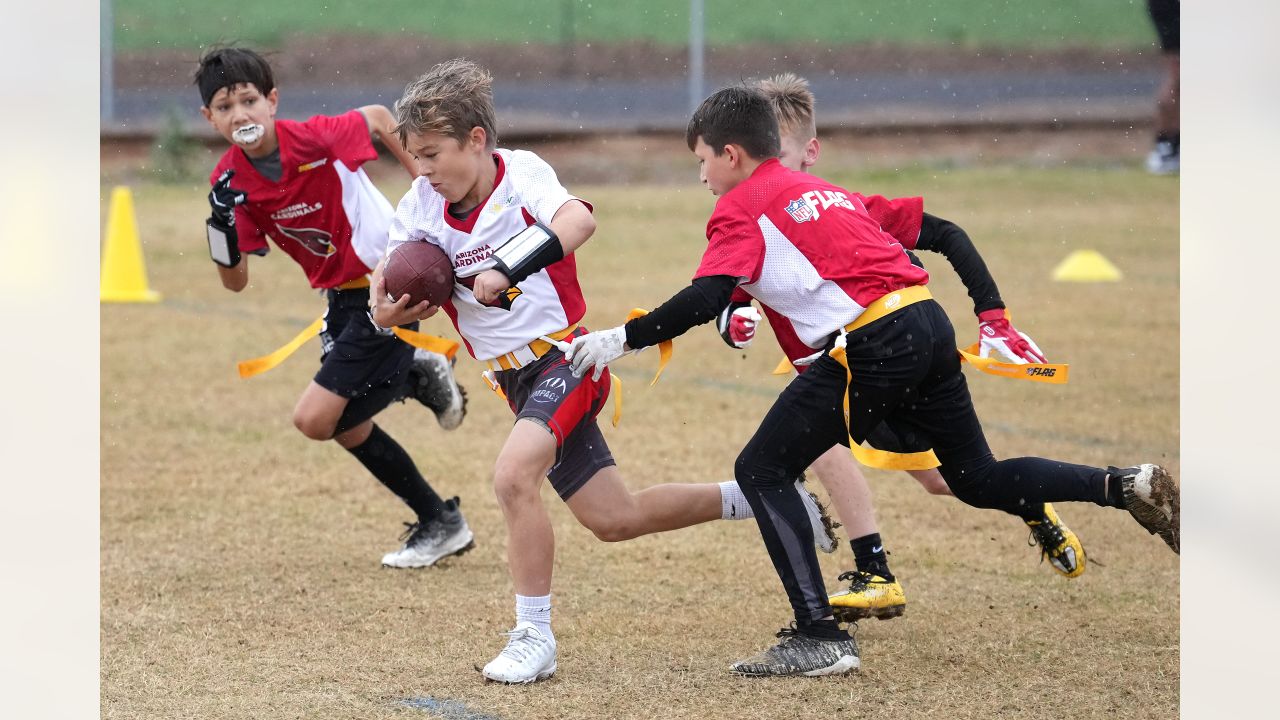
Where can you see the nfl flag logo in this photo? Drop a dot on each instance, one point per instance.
(799, 210)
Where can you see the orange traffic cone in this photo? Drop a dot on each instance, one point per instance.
(124, 274)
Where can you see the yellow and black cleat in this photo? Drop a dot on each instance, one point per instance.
(868, 596)
(1057, 543)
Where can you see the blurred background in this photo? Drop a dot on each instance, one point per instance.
(565, 67)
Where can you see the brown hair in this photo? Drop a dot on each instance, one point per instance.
(450, 99)
(792, 102)
(736, 115)
(226, 67)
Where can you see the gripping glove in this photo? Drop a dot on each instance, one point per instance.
(737, 324)
(997, 334)
(224, 246)
(596, 350)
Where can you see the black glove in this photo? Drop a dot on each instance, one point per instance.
(224, 246)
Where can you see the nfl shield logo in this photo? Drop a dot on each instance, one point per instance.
(799, 210)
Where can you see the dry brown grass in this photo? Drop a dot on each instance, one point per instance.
(240, 571)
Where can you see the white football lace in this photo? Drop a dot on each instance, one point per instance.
(521, 645)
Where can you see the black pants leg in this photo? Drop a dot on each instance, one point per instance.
(940, 409)
(905, 370)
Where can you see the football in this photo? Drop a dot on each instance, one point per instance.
(421, 270)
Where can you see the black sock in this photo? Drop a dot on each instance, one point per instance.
(825, 629)
(393, 467)
(868, 552)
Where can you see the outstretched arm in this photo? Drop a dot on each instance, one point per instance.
(947, 238)
(697, 304)
(382, 127)
(995, 333)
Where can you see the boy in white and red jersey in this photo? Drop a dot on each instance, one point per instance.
(511, 229)
(301, 185)
(873, 590)
(820, 264)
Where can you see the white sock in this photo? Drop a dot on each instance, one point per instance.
(733, 504)
(536, 610)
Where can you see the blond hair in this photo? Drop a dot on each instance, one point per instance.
(792, 102)
(450, 99)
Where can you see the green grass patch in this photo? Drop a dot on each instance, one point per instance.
(1104, 24)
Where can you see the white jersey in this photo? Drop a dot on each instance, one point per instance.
(525, 190)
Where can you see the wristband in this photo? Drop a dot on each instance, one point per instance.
(527, 252)
(224, 247)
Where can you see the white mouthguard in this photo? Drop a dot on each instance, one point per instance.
(248, 135)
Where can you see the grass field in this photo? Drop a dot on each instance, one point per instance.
(240, 571)
(156, 24)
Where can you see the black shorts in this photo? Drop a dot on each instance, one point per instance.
(367, 366)
(546, 392)
(1164, 14)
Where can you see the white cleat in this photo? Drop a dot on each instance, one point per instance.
(824, 530)
(425, 545)
(528, 657)
(435, 386)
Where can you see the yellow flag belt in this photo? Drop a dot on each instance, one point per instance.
(259, 365)
(1054, 373)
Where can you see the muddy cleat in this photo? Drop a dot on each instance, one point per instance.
(1151, 497)
(1057, 543)
(424, 545)
(528, 657)
(433, 384)
(799, 654)
(824, 528)
(868, 596)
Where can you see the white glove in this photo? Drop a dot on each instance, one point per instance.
(596, 349)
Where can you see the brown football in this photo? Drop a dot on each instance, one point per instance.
(421, 270)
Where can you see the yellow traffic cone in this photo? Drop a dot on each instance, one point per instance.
(124, 275)
(1086, 266)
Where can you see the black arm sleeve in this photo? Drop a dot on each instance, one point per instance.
(945, 237)
(692, 306)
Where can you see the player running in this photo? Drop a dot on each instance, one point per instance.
(819, 264)
(873, 590)
(302, 185)
(515, 310)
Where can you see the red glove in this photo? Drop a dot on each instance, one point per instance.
(737, 325)
(997, 334)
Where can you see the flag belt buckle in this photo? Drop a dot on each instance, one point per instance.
(526, 354)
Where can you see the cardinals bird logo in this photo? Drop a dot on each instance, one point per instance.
(504, 299)
(315, 240)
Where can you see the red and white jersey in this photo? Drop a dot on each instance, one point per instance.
(324, 212)
(811, 252)
(525, 190)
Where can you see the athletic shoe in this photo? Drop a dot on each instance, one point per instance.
(528, 657)
(799, 654)
(868, 596)
(425, 544)
(1164, 159)
(1151, 497)
(824, 528)
(1057, 543)
(433, 384)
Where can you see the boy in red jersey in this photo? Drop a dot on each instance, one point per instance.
(301, 184)
(821, 266)
(873, 590)
(511, 229)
